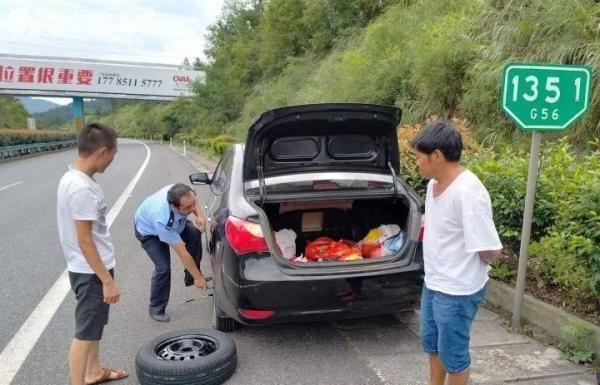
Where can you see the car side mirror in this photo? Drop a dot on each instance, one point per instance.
(200, 178)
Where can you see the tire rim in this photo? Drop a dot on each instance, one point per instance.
(188, 347)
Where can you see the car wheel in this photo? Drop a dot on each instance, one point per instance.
(186, 357)
(220, 322)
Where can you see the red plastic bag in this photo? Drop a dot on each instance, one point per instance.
(370, 250)
(342, 248)
(315, 249)
(327, 248)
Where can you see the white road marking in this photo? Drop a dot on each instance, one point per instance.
(15, 353)
(11, 185)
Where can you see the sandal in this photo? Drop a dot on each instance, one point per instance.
(107, 375)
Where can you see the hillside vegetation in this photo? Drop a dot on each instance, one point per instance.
(12, 113)
(428, 57)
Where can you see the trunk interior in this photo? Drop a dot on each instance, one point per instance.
(349, 220)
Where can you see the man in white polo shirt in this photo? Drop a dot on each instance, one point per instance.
(89, 252)
(459, 243)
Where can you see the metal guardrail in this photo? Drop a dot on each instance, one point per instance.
(31, 148)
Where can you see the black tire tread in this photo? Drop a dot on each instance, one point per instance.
(227, 325)
(223, 323)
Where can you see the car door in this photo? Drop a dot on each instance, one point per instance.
(219, 187)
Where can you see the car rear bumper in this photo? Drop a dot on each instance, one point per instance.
(260, 285)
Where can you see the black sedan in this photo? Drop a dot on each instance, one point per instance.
(310, 219)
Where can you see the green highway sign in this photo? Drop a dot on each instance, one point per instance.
(540, 97)
(545, 97)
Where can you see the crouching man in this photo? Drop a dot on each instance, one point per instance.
(160, 224)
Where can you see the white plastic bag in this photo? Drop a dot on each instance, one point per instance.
(394, 244)
(387, 232)
(286, 240)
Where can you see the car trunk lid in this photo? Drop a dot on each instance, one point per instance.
(322, 138)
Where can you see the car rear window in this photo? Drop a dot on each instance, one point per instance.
(339, 147)
(351, 147)
(295, 149)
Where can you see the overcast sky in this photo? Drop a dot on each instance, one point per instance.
(152, 31)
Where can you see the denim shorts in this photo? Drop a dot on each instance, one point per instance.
(445, 326)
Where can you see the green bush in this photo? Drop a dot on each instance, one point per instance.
(566, 219)
(15, 137)
(578, 347)
(573, 185)
(213, 147)
(560, 262)
(502, 271)
(219, 144)
(504, 174)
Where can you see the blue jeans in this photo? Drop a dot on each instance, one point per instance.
(446, 324)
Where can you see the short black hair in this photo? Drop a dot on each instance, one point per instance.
(94, 136)
(178, 191)
(439, 135)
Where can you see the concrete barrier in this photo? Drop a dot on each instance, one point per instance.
(547, 317)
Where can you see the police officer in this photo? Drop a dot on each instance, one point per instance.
(161, 223)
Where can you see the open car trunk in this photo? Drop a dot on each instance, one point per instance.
(326, 178)
(341, 231)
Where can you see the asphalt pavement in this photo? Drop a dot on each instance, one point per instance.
(380, 350)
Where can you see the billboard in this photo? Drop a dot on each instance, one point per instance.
(94, 79)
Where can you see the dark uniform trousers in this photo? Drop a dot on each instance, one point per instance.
(158, 251)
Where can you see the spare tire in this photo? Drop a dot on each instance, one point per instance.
(186, 357)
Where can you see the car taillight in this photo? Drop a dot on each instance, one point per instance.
(244, 236)
(421, 233)
(256, 314)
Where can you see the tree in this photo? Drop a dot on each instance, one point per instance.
(199, 65)
(12, 113)
(282, 35)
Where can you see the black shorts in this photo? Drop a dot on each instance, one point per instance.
(91, 312)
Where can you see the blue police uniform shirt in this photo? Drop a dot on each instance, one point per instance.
(152, 216)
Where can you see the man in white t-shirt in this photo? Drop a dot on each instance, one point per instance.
(459, 243)
(89, 252)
